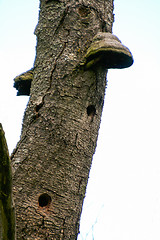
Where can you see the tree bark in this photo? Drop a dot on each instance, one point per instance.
(52, 160)
(7, 216)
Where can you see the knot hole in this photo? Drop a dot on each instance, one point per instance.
(44, 200)
(91, 111)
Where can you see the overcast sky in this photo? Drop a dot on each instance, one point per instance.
(123, 196)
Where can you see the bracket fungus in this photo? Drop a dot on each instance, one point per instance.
(23, 83)
(106, 49)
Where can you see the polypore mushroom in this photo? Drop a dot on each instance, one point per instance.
(23, 82)
(106, 49)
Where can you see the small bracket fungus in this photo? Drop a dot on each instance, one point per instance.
(23, 83)
(106, 49)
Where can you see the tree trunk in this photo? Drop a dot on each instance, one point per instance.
(52, 161)
(7, 216)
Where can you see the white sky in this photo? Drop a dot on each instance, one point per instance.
(123, 197)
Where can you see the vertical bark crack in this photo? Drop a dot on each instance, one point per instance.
(61, 20)
(55, 63)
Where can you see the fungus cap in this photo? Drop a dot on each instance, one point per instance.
(106, 49)
(23, 83)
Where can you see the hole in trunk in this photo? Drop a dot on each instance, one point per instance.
(91, 110)
(84, 11)
(44, 200)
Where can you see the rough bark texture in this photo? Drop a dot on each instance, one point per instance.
(52, 161)
(7, 217)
